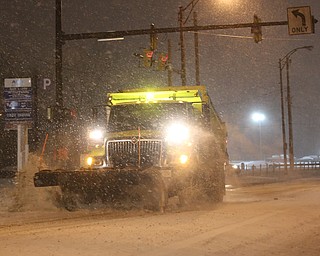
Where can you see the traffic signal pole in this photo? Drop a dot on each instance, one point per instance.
(61, 38)
(58, 54)
(124, 33)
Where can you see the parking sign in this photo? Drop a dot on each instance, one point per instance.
(18, 102)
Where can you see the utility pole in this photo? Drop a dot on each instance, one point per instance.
(182, 48)
(169, 63)
(291, 154)
(287, 60)
(196, 48)
(192, 4)
(284, 144)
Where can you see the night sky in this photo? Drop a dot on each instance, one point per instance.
(241, 76)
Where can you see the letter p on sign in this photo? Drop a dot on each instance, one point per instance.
(46, 83)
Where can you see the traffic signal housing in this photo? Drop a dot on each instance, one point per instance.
(147, 57)
(162, 61)
(256, 29)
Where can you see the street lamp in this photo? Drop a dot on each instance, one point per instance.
(259, 117)
(285, 61)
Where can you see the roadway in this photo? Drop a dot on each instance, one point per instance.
(281, 218)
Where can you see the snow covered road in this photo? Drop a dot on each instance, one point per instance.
(280, 219)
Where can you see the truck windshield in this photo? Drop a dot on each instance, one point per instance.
(147, 116)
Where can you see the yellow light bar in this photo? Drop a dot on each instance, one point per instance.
(193, 94)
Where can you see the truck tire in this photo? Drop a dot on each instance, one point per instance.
(214, 163)
(216, 190)
(69, 199)
(208, 179)
(72, 194)
(155, 196)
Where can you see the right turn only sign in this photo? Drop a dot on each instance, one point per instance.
(299, 20)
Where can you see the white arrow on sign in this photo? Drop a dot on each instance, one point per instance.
(299, 20)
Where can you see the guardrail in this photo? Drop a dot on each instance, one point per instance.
(276, 168)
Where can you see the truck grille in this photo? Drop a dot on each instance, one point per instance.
(122, 153)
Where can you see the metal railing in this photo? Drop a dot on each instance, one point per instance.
(276, 169)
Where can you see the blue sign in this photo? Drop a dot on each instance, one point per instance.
(18, 101)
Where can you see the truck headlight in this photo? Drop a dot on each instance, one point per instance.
(184, 159)
(94, 161)
(177, 133)
(96, 135)
(90, 161)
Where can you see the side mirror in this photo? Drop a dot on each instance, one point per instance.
(95, 114)
(101, 114)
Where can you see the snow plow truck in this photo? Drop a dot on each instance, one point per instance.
(146, 146)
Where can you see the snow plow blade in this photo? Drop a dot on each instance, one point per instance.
(46, 178)
(92, 178)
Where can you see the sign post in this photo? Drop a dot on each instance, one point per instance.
(23, 147)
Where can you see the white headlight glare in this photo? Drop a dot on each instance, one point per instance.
(96, 134)
(177, 133)
(89, 161)
(183, 159)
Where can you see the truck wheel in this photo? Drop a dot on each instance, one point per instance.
(69, 199)
(206, 185)
(216, 193)
(155, 196)
(216, 188)
(211, 172)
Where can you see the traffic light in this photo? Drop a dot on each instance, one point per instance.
(147, 58)
(162, 61)
(256, 29)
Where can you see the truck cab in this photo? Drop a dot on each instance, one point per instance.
(158, 127)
